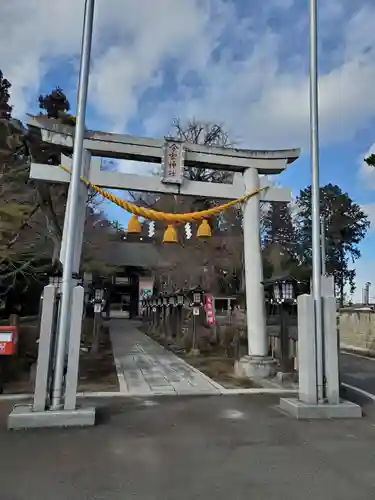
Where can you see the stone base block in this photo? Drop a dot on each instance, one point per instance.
(286, 378)
(193, 353)
(302, 411)
(23, 417)
(255, 367)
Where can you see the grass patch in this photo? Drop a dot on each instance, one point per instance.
(220, 369)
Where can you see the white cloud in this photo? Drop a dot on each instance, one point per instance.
(33, 35)
(131, 40)
(267, 104)
(136, 167)
(250, 64)
(369, 210)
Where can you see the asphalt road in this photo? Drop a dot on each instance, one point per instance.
(358, 371)
(209, 448)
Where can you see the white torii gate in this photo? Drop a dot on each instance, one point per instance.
(249, 167)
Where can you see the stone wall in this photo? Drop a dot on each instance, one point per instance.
(357, 330)
(356, 327)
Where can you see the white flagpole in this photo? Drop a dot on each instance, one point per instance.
(315, 197)
(64, 317)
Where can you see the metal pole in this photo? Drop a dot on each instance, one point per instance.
(315, 198)
(366, 294)
(64, 321)
(323, 246)
(194, 346)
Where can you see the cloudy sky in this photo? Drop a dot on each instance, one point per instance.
(239, 62)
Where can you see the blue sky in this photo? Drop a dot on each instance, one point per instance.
(242, 63)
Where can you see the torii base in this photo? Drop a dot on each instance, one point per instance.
(23, 417)
(255, 367)
(304, 411)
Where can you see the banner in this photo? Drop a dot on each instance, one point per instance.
(209, 308)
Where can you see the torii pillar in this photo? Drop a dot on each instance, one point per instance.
(257, 364)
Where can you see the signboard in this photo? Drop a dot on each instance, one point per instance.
(209, 308)
(97, 308)
(143, 295)
(6, 336)
(173, 161)
(197, 298)
(180, 300)
(146, 293)
(122, 280)
(196, 311)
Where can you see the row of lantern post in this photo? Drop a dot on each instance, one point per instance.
(163, 312)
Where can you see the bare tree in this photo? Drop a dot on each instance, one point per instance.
(207, 134)
(215, 263)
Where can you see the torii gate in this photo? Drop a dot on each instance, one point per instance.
(250, 168)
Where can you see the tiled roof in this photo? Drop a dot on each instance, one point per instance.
(134, 254)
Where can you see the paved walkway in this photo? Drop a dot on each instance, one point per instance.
(145, 368)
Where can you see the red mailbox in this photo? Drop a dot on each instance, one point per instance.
(8, 340)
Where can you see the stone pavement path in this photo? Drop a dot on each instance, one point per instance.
(145, 368)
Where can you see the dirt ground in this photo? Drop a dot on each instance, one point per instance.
(97, 372)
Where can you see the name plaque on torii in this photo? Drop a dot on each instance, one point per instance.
(173, 162)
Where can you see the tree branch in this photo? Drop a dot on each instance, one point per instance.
(23, 225)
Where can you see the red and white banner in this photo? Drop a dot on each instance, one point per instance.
(209, 308)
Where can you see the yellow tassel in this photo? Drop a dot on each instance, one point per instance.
(134, 226)
(170, 235)
(204, 230)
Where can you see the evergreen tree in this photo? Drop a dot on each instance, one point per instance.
(5, 107)
(55, 104)
(278, 226)
(370, 160)
(345, 227)
(278, 241)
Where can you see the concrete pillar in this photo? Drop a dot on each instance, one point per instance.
(309, 405)
(257, 364)
(307, 380)
(255, 305)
